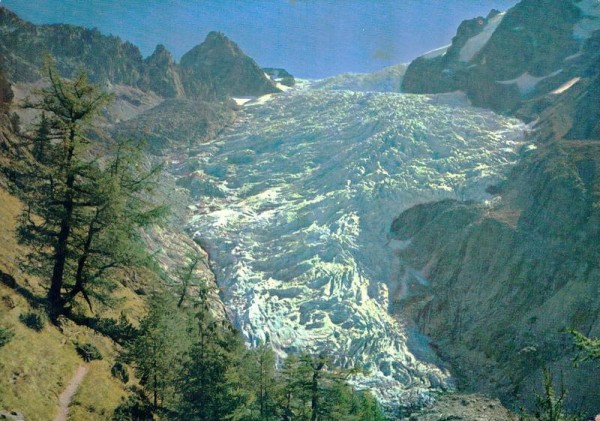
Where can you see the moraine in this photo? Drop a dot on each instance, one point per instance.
(294, 205)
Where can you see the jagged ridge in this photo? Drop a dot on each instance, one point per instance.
(213, 70)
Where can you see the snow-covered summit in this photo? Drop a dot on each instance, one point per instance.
(385, 80)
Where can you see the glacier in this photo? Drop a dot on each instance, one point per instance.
(294, 204)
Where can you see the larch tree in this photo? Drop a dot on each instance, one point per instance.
(81, 213)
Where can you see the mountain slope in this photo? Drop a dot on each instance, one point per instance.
(212, 70)
(506, 59)
(506, 279)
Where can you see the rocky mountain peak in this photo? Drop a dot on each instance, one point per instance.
(161, 74)
(9, 20)
(219, 68)
(160, 55)
(220, 39)
(213, 70)
(506, 59)
(215, 47)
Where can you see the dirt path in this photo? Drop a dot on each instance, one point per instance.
(64, 400)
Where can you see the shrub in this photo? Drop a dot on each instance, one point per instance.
(550, 404)
(88, 352)
(35, 319)
(120, 372)
(5, 336)
(134, 409)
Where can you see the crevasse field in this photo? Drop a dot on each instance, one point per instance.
(295, 203)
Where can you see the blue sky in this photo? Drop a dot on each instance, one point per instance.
(310, 38)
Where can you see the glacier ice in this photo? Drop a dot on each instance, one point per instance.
(310, 182)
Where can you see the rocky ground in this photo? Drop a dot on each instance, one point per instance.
(463, 407)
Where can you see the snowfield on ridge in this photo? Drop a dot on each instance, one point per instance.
(295, 203)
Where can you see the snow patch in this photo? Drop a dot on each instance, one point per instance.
(242, 100)
(282, 87)
(476, 43)
(260, 100)
(573, 56)
(526, 82)
(566, 86)
(436, 53)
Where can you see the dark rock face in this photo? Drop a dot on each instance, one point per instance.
(6, 94)
(280, 75)
(534, 38)
(161, 74)
(572, 111)
(507, 279)
(24, 47)
(218, 68)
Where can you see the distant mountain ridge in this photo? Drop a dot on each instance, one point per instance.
(385, 80)
(505, 60)
(212, 70)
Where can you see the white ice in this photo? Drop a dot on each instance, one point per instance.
(315, 178)
(566, 86)
(388, 79)
(437, 52)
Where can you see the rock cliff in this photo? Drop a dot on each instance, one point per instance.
(218, 68)
(506, 59)
(508, 277)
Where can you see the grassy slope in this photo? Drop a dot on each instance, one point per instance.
(36, 367)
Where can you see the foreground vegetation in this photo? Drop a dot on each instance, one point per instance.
(77, 232)
(194, 366)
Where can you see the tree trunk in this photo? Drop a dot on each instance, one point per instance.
(55, 301)
(315, 395)
(80, 277)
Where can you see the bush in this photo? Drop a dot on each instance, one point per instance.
(35, 319)
(550, 404)
(5, 336)
(120, 331)
(120, 372)
(88, 352)
(134, 409)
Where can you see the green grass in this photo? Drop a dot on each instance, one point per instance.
(35, 367)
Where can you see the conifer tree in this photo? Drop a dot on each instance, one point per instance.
(159, 349)
(203, 382)
(80, 214)
(264, 380)
(589, 347)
